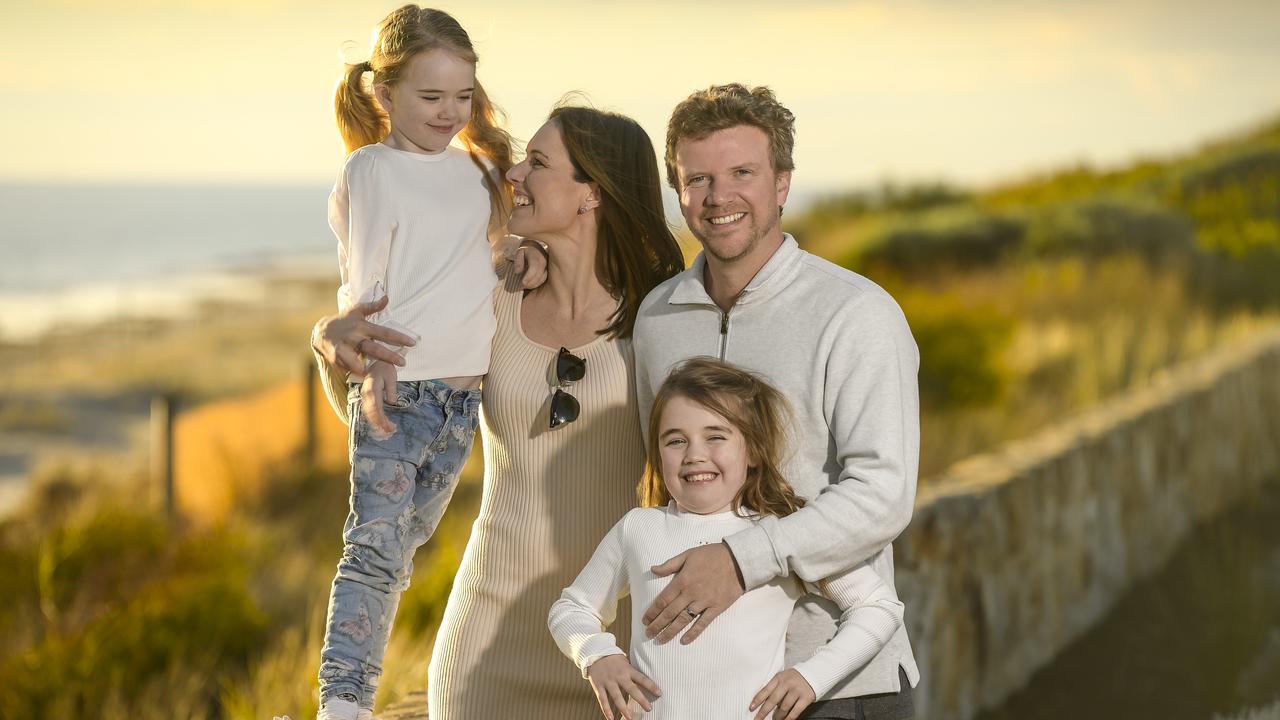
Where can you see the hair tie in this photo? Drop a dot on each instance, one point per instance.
(366, 66)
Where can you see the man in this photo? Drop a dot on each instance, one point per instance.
(838, 347)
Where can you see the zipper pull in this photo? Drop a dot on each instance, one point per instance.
(724, 322)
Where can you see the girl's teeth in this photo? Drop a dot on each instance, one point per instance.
(700, 477)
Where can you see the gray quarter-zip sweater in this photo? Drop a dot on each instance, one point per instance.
(840, 350)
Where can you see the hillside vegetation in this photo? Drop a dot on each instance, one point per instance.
(1038, 298)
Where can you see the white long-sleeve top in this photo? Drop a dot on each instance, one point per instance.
(715, 676)
(415, 226)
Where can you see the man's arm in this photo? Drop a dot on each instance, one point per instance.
(871, 406)
(869, 616)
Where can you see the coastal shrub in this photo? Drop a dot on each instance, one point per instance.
(1102, 226)
(952, 237)
(117, 603)
(206, 623)
(961, 350)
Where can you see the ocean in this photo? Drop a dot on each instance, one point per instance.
(85, 252)
(82, 252)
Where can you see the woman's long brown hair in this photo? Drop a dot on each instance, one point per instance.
(636, 249)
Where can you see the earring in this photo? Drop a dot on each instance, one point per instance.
(582, 210)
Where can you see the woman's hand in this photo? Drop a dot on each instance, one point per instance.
(786, 695)
(379, 387)
(345, 340)
(614, 679)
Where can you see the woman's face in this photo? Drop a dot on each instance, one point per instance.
(547, 197)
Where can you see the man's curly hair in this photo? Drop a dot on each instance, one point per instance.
(720, 107)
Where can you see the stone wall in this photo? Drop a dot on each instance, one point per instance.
(1014, 554)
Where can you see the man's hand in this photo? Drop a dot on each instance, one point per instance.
(379, 386)
(345, 340)
(706, 585)
(786, 695)
(614, 679)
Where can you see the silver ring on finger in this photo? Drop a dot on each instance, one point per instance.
(691, 613)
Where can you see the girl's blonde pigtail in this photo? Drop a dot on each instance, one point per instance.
(360, 121)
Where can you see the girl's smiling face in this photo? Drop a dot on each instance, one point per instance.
(704, 457)
(430, 103)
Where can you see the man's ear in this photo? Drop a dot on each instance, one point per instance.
(782, 183)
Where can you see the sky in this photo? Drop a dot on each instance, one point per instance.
(239, 91)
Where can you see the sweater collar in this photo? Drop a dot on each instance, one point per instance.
(691, 289)
(728, 515)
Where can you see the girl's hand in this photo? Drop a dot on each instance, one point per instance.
(530, 263)
(379, 386)
(614, 679)
(346, 339)
(786, 695)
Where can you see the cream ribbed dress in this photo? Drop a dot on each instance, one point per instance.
(550, 496)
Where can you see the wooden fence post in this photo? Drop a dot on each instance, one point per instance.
(310, 441)
(162, 412)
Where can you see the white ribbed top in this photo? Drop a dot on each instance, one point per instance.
(415, 226)
(715, 676)
(549, 497)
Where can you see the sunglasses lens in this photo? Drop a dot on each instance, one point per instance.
(569, 367)
(564, 408)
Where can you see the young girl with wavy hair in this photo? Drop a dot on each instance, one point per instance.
(716, 439)
(414, 215)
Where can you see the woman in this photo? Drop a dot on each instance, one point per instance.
(560, 427)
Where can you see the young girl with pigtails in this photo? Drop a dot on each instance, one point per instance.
(716, 439)
(414, 216)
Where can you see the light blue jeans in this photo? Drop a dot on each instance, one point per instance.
(400, 487)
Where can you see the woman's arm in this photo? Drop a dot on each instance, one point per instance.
(341, 344)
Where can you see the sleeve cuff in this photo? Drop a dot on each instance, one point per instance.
(820, 682)
(753, 551)
(589, 660)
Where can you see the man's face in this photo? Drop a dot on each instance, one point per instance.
(730, 195)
